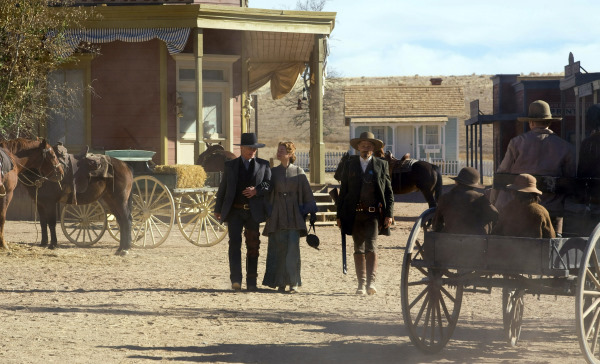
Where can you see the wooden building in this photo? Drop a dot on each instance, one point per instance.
(172, 76)
(421, 120)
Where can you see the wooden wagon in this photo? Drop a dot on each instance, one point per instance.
(157, 204)
(438, 267)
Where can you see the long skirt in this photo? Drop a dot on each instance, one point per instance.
(283, 259)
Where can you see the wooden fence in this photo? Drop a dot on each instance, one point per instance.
(450, 168)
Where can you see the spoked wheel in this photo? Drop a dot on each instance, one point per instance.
(83, 225)
(113, 227)
(513, 304)
(430, 306)
(153, 212)
(587, 301)
(196, 220)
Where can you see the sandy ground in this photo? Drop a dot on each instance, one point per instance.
(174, 304)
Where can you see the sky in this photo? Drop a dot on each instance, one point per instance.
(458, 37)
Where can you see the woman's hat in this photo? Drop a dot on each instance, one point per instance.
(539, 110)
(468, 176)
(366, 136)
(525, 183)
(249, 140)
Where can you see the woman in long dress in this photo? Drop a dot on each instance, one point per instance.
(292, 200)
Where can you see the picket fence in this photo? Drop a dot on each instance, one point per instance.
(450, 168)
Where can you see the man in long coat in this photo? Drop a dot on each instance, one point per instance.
(539, 152)
(241, 202)
(365, 206)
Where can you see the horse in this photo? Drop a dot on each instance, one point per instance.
(408, 175)
(214, 157)
(26, 155)
(113, 189)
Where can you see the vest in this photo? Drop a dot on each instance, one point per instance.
(367, 188)
(244, 180)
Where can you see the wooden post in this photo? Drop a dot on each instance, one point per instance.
(164, 140)
(317, 147)
(199, 145)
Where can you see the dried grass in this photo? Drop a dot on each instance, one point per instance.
(188, 176)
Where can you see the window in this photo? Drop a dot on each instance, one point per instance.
(432, 134)
(66, 116)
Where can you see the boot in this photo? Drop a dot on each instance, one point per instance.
(251, 268)
(371, 259)
(361, 273)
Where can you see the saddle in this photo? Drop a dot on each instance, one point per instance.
(401, 165)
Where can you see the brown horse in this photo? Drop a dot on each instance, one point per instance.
(214, 157)
(408, 175)
(114, 191)
(27, 155)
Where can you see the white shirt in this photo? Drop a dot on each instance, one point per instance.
(364, 163)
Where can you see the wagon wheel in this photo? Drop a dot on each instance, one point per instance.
(430, 309)
(113, 227)
(83, 225)
(513, 304)
(152, 212)
(587, 300)
(196, 221)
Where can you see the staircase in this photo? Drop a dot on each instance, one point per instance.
(326, 215)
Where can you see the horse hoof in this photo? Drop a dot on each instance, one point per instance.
(122, 253)
(53, 247)
(42, 244)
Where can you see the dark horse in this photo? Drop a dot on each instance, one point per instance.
(114, 190)
(27, 155)
(214, 157)
(408, 175)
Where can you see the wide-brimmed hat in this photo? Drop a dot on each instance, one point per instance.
(250, 140)
(468, 176)
(369, 137)
(525, 183)
(539, 110)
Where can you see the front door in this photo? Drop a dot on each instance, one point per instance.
(404, 141)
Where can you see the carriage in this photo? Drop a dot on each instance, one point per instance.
(439, 267)
(157, 204)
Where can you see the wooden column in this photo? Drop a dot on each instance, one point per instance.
(164, 140)
(199, 145)
(317, 147)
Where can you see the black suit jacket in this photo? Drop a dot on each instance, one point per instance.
(226, 194)
(351, 184)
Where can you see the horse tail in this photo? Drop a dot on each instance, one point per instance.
(439, 183)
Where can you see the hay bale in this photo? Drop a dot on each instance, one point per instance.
(188, 176)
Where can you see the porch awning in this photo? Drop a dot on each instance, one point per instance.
(276, 57)
(175, 38)
(403, 120)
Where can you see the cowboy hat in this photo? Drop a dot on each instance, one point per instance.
(468, 176)
(369, 137)
(538, 111)
(525, 183)
(249, 140)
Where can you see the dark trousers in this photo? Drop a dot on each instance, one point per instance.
(237, 220)
(364, 232)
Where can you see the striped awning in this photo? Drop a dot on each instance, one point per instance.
(175, 38)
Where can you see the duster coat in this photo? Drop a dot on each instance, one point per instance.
(524, 220)
(463, 210)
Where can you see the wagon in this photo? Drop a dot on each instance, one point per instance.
(439, 267)
(157, 204)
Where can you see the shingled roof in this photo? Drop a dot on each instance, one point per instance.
(403, 101)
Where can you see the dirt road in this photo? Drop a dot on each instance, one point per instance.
(173, 304)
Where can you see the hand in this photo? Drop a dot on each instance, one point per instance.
(387, 222)
(339, 223)
(218, 215)
(249, 192)
(313, 218)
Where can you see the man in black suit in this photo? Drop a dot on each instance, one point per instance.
(365, 206)
(242, 204)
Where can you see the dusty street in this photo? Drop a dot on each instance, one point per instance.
(173, 303)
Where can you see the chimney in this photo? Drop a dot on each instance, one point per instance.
(435, 81)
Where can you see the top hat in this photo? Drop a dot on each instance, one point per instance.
(369, 137)
(525, 183)
(539, 110)
(250, 140)
(468, 176)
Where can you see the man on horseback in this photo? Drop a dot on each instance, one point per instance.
(241, 202)
(365, 207)
(539, 152)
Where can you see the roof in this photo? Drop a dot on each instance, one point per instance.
(403, 101)
(402, 119)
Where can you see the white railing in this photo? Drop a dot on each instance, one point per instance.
(450, 168)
